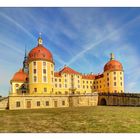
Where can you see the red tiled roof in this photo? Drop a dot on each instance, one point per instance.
(88, 76)
(57, 74)
(99, 76)
(113, 65)
(68, 70)
(40, 52)
(20, 76)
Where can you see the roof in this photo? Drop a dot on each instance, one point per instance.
(20, 76)
(88, 76)
(69, 70)
(99, 76)
(113, 65)
(40, 53)
(57, 74)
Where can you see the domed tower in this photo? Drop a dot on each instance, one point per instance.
(114, 76)
(19, 82)
(41, 70)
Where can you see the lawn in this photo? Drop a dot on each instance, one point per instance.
(79, 119)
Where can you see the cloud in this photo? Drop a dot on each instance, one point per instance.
(16, 24)
(98, 42)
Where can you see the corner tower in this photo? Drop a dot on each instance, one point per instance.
(114, 76)
(41, 70)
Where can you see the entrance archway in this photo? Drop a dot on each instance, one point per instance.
(103, 101)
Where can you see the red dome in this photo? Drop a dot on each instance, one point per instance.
(20, 76)
(40, 53)
(113, 65)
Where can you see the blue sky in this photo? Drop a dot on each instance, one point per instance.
(81, 38)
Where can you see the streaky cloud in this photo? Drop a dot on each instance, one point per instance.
(80, 54)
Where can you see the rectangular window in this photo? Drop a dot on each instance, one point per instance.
(34, 71)
(83, 81)
(59, 80)
(45, 89)
(120, 73)
(55, 85)
(18, 104)
(87, 82)
(114, 78)
(44, 78)
(78, 81)
(114, 73)
(91, 82)
(35, 89)
(44, 63)
(63, 102)
(65, 85)
(47, 103)
(60, 85)
(34, 63)
(44, 71)
(83, 86)
(87, 86)
(38, 103)
(35, 79)
(107, 79)
(55, 80)
(65, 80)
(52, 72)
(108, 84)
(121, 83)
(78, 86)
(120, 78)
(114, 83)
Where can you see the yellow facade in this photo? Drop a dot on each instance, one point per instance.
(41, 77)
(44, 83)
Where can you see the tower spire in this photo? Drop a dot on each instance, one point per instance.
(25, 64)
(40, 41)
(25, 53)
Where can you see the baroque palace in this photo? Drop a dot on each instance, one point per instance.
(37, 85)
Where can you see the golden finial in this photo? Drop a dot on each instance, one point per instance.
(112, 57)
(40, 41)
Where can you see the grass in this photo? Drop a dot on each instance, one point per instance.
(100, 119)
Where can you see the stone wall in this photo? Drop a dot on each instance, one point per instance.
(84, 100)
(3, 103)
(53, 101)
(123, 99)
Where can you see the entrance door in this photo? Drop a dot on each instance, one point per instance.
(28, 104)
(55, 103)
